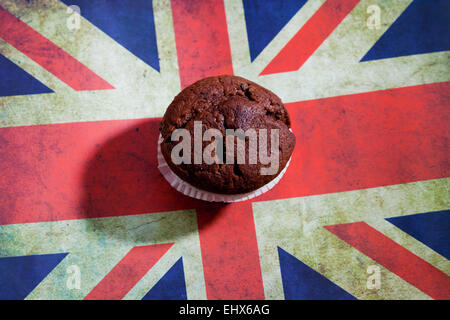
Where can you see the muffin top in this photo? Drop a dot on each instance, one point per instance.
(228, 103)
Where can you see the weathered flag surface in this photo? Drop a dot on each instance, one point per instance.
(362, 212)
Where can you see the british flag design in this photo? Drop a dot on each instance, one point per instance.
(361, 213)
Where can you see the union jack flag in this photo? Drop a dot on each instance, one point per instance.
(361, 213)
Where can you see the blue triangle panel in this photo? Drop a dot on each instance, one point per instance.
(422, 28)
(172, 286)
(129, 22)
(300, 282)
(265, 19)
(432, 229)
(15, 81)
(20, 275)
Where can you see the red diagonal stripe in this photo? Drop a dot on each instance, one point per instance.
(310, 36)
(48, 55)
(395, 258)
(201, 36)
(124, 276)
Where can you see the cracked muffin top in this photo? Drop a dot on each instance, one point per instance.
(228, 103)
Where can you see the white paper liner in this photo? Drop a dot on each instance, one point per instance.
(193, 192)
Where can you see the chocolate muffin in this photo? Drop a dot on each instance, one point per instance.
(228, 103)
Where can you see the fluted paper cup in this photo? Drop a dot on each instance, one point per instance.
(193, 192)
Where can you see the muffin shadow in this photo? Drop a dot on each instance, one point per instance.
(121, 179)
